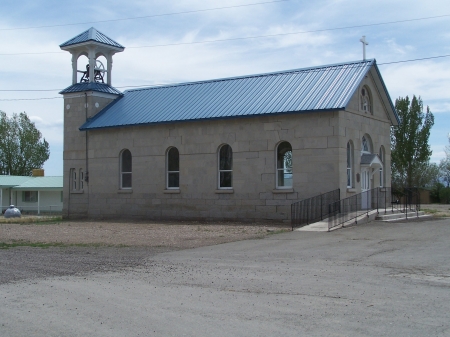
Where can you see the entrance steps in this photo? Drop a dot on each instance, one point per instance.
(390, 216)
(396, 215)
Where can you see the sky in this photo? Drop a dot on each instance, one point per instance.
(165, 43)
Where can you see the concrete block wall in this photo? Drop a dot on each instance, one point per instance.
(318, 141)
(354, 124)
(253, 141)
(78, 106)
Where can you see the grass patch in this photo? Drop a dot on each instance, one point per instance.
(35, 220)
(45, 245)
(430, 211)
(279, 231)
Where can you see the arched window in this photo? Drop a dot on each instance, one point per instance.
(382, 157)
(366, 146)
(225, 167)
(125, 169)
(349, 165)
(284, 165)
(173, 168)
(366, 105)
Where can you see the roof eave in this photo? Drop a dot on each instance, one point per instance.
(70, 47)
(85, 126)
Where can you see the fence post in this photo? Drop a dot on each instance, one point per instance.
(321, 207)
(307, 211)
(378, 198)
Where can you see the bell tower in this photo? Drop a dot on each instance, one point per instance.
(91, 91)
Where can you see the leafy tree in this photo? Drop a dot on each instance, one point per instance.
(427, 175)
(445, 166)
(436, 192)
(21, 146)
(410, 151)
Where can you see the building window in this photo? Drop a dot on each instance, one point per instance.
(382, 157)
(225, 167)
(365, 145)
(284, 165)
(173, 168)
(29, 196)
(81, 179)
(76, 180)
(73, 179)
(125, 169)
(349, 165)
(366, 105)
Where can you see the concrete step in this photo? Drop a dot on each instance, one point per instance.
(395, 216)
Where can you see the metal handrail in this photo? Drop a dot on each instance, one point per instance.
(377, 199)
(307, 211)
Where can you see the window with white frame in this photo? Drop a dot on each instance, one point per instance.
(81, 180)
(349, 165)
(29, 196)
(73, 179)
(125, 169)
(173, 168)
(225, 167)
(284, 165)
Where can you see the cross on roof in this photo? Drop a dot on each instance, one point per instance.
(364, 43)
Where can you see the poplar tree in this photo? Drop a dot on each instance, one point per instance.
(22, 148)
(410, 151)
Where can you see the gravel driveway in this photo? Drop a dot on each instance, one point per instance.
(43, 249)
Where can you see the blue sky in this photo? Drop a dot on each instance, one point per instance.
(48, 68)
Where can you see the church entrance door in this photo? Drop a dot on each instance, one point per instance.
(365, 187)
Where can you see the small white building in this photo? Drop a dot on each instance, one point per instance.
(31, 194)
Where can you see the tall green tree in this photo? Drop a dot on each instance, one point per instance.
(22, 147)
(445, 166)
(410, 151)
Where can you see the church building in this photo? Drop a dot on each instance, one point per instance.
(240, 148)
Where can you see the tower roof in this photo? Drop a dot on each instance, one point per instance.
(92, 34)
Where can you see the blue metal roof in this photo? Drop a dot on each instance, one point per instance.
(31, 183)
(91, 86)
(301, 90)
(92, 34)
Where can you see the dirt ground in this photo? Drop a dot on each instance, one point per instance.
(33, 247)
(178, 235)
(437, 210)
(39, 247)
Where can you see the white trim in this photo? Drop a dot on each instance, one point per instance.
(277, 187)
(167, 169)
(219, 171)
(121, 173)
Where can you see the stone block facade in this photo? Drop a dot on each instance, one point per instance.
(318, 140)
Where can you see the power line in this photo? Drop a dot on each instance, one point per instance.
(28, 99)
(414, 60)
(146, 16)
(255, 37)
(154, 85)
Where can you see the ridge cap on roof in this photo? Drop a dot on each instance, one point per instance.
(280, 72)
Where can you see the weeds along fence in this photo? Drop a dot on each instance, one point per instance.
(307, 211)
